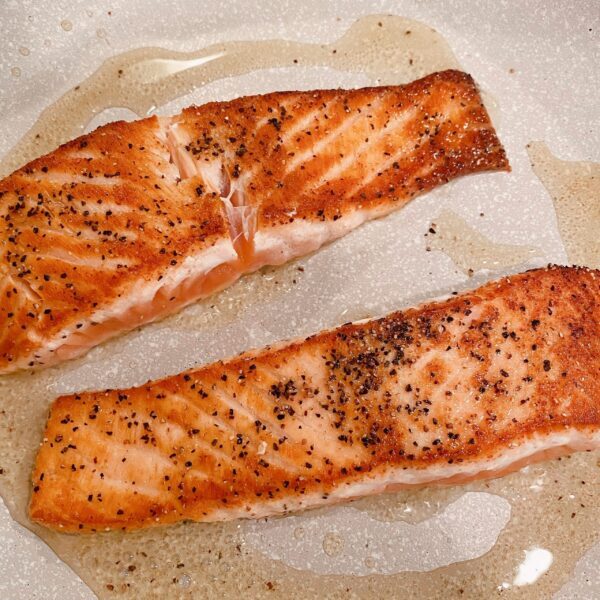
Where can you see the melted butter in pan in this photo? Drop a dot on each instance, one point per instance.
(218, 560)
(388, 49)
(470, 250)
(575, 191)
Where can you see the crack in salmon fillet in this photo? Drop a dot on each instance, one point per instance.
(135, 220)
(470, 387)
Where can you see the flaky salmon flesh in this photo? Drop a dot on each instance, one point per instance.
(135, 220)
(470, 387)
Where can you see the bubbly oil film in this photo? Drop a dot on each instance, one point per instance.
(575, 191)
(551, 506)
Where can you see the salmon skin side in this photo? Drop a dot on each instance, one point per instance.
(470, 387)
(135, 220)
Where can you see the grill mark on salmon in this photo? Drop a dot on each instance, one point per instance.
(338, 168)
(470, 387)
(135, 220)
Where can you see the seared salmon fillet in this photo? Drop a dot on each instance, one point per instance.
(469, 387)
(135, 220)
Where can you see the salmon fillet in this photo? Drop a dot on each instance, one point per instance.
(135, 220)
(470, 387)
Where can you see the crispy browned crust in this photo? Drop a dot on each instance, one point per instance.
(114, 196)
(452, 146)
(158, 224)
(449, 383)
